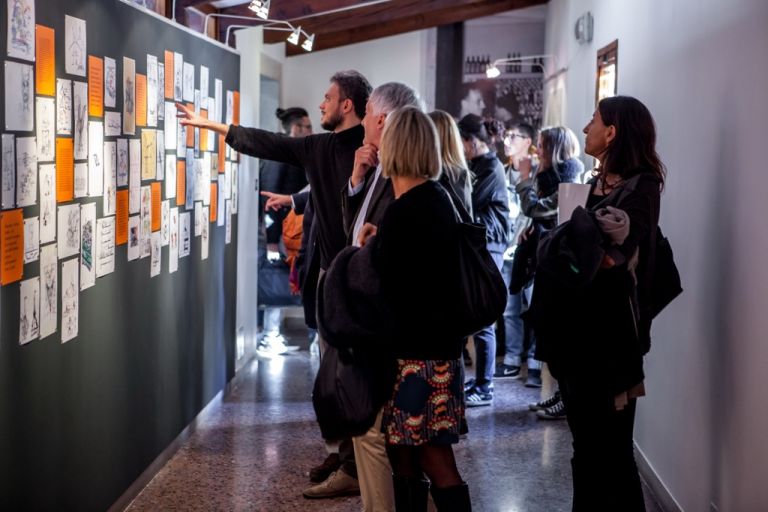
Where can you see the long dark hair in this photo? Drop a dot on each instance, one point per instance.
(486, 130)
(290, 116)
(633, 150)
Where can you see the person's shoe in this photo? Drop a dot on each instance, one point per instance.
(468, 385)
(556, 412)
(546, 403)
(534, 379)
(477, 397)
(337, 484)
(319, 473)
(506, 371)
(452, 499)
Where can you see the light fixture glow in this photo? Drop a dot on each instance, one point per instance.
(492, 71)
(308, 42)
(261, 8)
(294, 37)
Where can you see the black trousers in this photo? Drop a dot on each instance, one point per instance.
(605, 475)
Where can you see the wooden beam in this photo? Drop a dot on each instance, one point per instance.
(402, 16)
(293, 9)
(181, 9)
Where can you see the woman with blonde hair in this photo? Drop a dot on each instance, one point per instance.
(456, 174)
(379, 294)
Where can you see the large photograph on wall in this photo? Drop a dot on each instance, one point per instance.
(509, 100)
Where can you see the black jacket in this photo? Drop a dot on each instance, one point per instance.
(490, 200)
(307, 259)
(383, 194)
(327, 159)
(539, 195)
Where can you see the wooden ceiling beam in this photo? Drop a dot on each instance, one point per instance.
(295, 9)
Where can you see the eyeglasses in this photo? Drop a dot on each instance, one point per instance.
(512, 136)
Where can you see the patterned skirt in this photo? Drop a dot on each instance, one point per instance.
(427, 404)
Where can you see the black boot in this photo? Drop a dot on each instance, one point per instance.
(410, 494)
(452, 499)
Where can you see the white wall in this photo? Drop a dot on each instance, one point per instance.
(503, 37)
(701, 68)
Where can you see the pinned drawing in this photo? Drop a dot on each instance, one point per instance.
(21, 29)
(204, 84)
(198, 218)
(95, 158)
(152, 88)
(69, 230)
(9, 172)
(228, 223)
(81, 120)
(134, 176)
(49, 290)
(64, 102)
(134, 237)
(160, 91)
(146, 220)
(74, 46)
(87, 245)
(191, 182)
(205, 235)
(155, 262)
(29, 310)
(170, 176)
(230, 107)
(169, 128)
(105, 246)
(31, 239)
(185, 234)
(148, 154)
(189, 82)
(178, 73)
(160, 163)
(18, 97)
(129, 96)
(122, 162)
(26, 171)
(110, 82)
(46, 131)
(70, 300)
(165, 218)
(173, 241)
(234, 188)
(217, 98)
(81, 179)
(112, 124)
(47, 203)
(110, 178)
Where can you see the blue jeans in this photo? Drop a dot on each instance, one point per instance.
(485, 343)
(514, 329)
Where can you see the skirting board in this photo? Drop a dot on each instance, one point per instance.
(143, 480)
(665, 500)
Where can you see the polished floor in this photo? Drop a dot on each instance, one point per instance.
(253, 452)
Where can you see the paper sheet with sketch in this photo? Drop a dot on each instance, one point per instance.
(105, 246)
(74, 45)
(26, 171)
(69, 230)
(19, 94)
(49, 290)
(87, 245)
(47, 203)
(70, 300)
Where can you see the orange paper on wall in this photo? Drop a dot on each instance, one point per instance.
(181, 183)
(121, 235)
(204, 132)
(190, 130)
(222, 153)
(214, 201)
(95, 86)
(45, 61)
(156, 193)
(168, 75)
(65, 170)
(236, 108)
(11, 246)
(141, 100)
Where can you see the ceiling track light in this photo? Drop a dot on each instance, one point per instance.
(294, 37)
(260, 7)
(308, 42)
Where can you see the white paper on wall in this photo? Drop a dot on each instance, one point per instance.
(19, 94)
(95, 158)
(70, 300)
(200, 183)
(165, 219)
(29, 310)
(170, 176)
(46, 129)
(75, 47)
(173, 241)
(230, 107)
(185, 234)
(110, 82)
(64, 106)
(113, 124)
(204, 85)
(69, 230)
(146, 221)
(191, 181)
(105, 246)
(205, 191)
(178, 76)
(122, 162)
(181, 140)
(134, 198)
(49, 290)
(87, 245)
(152, 87)
(110, 178)
(134, 237)
(235, 170)
(155, 252)
(198, 218)
(47, 203)
(228, 180)
(31, 239)
(81, 179)
(169, 128)
(21, 29)
(228, 222)
(161, 91)
(81, 119)
(218, 98)
(189, 82)
(9, 171)
(205, 235)
(26, 171)
(129, 96)
(160, 164)
(221, 200)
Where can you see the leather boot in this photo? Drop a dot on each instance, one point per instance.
(410, 494)
(452, 499)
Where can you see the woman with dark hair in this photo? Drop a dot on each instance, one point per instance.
(490, 206)
(597, 286)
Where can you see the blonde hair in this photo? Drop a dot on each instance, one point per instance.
(451, 148)
(409, 145)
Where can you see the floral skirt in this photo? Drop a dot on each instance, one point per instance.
(427, 404)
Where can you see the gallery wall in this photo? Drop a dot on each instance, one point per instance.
(120, 327)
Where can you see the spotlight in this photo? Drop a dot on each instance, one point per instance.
(260, 7)
(492, 72)
(308, 42)
(294, 37)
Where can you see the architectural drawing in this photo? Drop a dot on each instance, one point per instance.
(69, 230)
(87, 245)
(110, 82)
(64, 111)
(29, 310)
(47, 203)
(81, 120)
(70, 303)
(18, 96)
(26, 171)
(21, 29)
(112, 124)
(74, 45)
(155, 262)
(122, 162)
(46, 135)
(8, 181)
(129, 96)
(49, 290)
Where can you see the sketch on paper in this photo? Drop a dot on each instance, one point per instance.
(129, 96)
(110, 178)
(134, 175)
(110, 82)
(74, 45)
(155, 262)
(230, 107)
(152, 88)
(69, 230)
(204, 85)
(161, 91)
(165, 217)
(220, 202)
(64, 102)
(47, 203)
(146, 220)
(112, 124)
(200, 187)
(178, 71)
(122, 162)
(148, 154)
(169, 128)
(18, 96)
(105, 246)
(81, 179)
(31, 239)
(95, 158)
(189, 82)
(21, 29)
(217, 98)
(160, 163)
(9, 172)
(205, 233)
(49, 290)
(70, 303)
(234, 188)
(26, 171)
(81, 120)
(191, 183)
(173, 241)
(181, 140)
(170, 176)
(198, 218)
(134, 237)
(228, 222)
(29, 310)
(87, 244)
(185, 234)
(205, 179)
(46, 131)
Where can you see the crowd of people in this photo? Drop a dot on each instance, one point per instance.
(388, 186)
